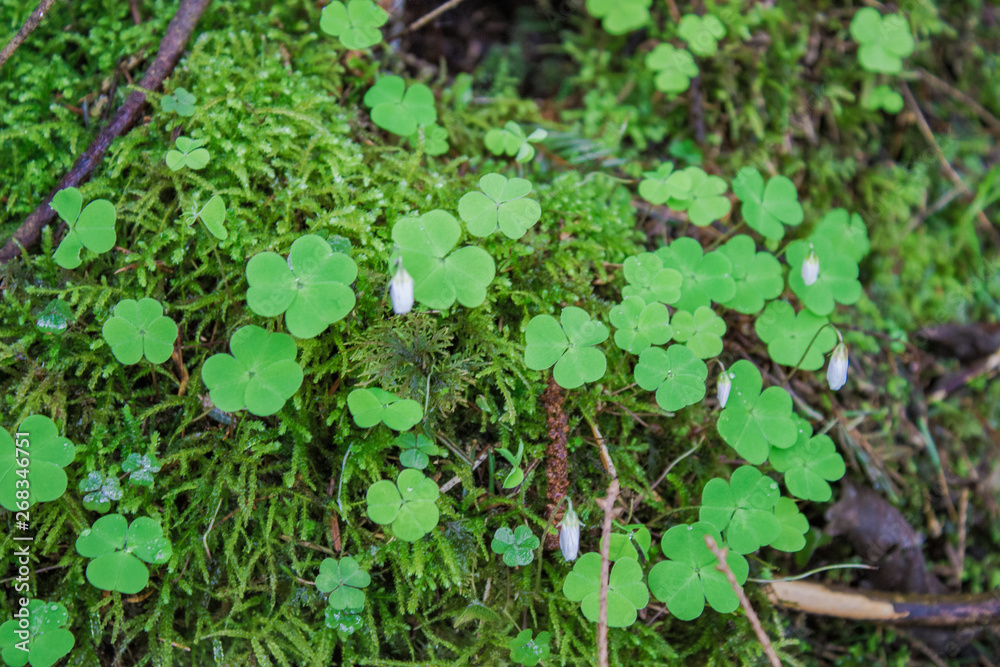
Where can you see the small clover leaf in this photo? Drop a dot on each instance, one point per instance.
(569, 345)
(118, 550)
(700, 331)
(705, 277)
(139, 329)
(702, 33)
(213, 216)
(356, 25)
(620, 16)
(502, 203)
(788, 336)
(794, 526)
(408, 504)
(516, 546)
(768, 208)
(100, 491)
(884, 41)
(141, 468)
(92, 227)
(371, 406)
(885, 98)
(343, 580)
(259, 375)
(707, 202)
(48, 639)
(181, 102)
(527, 651)
(648, 280)
(665, 185)
(343, 621)
(743, 508)
(846, 232)
(836, 282)
(189, 153)
(757, 276)
(417, 450)
(441, 276)
(312, 287)
(676, 374)
(399, 109)
(623, 545)
(55, 317)
(639, 325)
(511, 140)
(690, 577)
(675, 69)
(433, 137)
(754, 420)
(44, 453)
(516, 475)
(809, 465)
(626, 591)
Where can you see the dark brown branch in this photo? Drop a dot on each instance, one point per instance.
(556, 466)
(176, 38)
(29, 26)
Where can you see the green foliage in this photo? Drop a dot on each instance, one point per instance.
(705, 200)
(768, 208)
(502, 203)
(755, 420)
(702, 33)
(181, 102)
(140, 329)
(31, 466)
(92, 227)
(701, 331)
(757, 275)
(639, 325)
(118, 550)
(213, 216)
(511, 140)
(516, 475)
(417, 450)
(343, 579)
(665, 184)
(373, 406)
(794, 526)
(809, 465)
(55, 317)
(47, 640)
(516, 546)
(884, 40)
(885, 98)
(800, 341)
(189, 153)
(837, 281)
(432, 139)
(674, 70)
(846, 232)
(99, 491)
(743, 508)
(649, 281)
(399, 109)
(624, 545)
(409, 504)
(569, 345)
(677, 376)
(527, 651)
(626, 591)
(356, 25)
(705, 277)
(141, 468)
(620, 17)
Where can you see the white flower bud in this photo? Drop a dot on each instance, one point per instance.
(836, 370)
(569, 534)
(723, 387)
(810, 268)
(401, 290)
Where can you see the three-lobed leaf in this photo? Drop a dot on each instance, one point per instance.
(676, 374)
(569, 345)
(792, 338)
(620, 16)
(118, 550)
(510, 140)
(92, 227)
(767, 209)
(701, 331)
(884, 40)
(399, 109)
(343, 579)
(674, 70)
(809, 465)
(48, 640)
(754, 420)
(356, 25)
(757, 275)
(626, 591)
(516, 546)
(702, 33)
(139, 329)
(43, 453)
(743, 508)
(705, 277)
(417, 450)
(189, 153)
(408, 504)
(502, 203)
(640, 325)
(837, 281)
(373, 405)
(527, 651)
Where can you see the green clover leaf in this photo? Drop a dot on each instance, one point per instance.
(343, 580)
(704, 277)
(417, 449)
(118, 550)
(707, 202)
(213, 216)
(675, 69)
(883, 97)
(181, 102)
(570, 346)
(754, 420)
(511, 140)
(502, 203)
(356, 25)
(690, 577)
(92, 228)
(399, 109)
(626, 591)
(758, 277)
(259, 375)
(837, 281)
(189, 153)
(623, 545)
(55, 317)
(312, 287)
(516, 546)
(768, 208)
(884, 41)
(100, 491)
(48, 639)
(433, 138)
(649, 281)
(809, 465)
(638, 325)
(620, 16)
(371, 406)
(665, 184)
(846, 232)
(139, 329)
(702, 33)
(700, 331)
(441, 276)
(141, 468)
(408, 504)
(343, 621)
(44, 454)
(743, 508)
(794, 526)
(677, 376)
(788, 336)
(527, 651)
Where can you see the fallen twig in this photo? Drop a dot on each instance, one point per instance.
(29, 26)
(608, 504)
(425, 19)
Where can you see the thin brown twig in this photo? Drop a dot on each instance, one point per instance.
(29, 26)
(942, 85)
(136, 14)
(425, 19)
(608, 504)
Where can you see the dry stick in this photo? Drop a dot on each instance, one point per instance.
(942, 85)
(614, 488)
(178, 33)
(29, 26)
(723, 566)
(425, 19)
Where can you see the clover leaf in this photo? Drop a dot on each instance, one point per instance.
(665, 184)
(417, 449)
(516, 546)
(100, 491)
(259, 375)
(753, 420)
(700, 331)
(788, 336)
(569, 345)
(704, 277)
(837, 281)
(620, 16)
(399, 109)
(511, 140)
(433, 137)
(702, 33)
(623, 545)
(502, 203)
(846, 232)
(312, 287)
(344, 621)
(757, 276)
(189, 153)
(343, 580)
(707, 201)
(743, 508)
(374, 405)
(31, 467)
(55, 317)
(675, 69)
(768, 208)
(648, 280)
(885, 98)
(809, 464)
(213, 216)
(181, 102)
(92, 227)
(639, 325)
(794, 526)
(626, 591)
(48, 639)
(690, 576)
(356, 25)
(527, 651)
(677, 376)
(141, 468)
(118, 550)
(139, 329)
(408, 504)
(884, 40)
(441, 276)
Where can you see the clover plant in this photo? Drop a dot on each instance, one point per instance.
(181, 102)
(31, 467)
(510, 140)
(754, 420)
(141, 468)
(343, 580)
(516, 475)
(809, 465)
(100, 491)
(55, 317)
(676, 374)
(836, 282)
(260, 374)
(433, 138)
(312, 287)
(569, 345)
(757, 275)
(705, 277)
(189, 153)
(626, 591)
(48, 639)
(883, 40)
(399, 109)
(649, 281)
(846, 232)
(355, 25)
(665, 184)
(702, 33)
(794, 526)
(345, 621)
(767, 209)
(516, 546)
(372, 406)
(789, 336)
(620, 16)
(213, 216)
(92, 227)
(417, 449)
(639, 325)
(623, 545)
(674, 70)
(502, 203)
(883, 97)
(705, 201)
(408, 504)
(139, 329)
(700, 331)
(527, 651)
(119, 549)
(743, 508)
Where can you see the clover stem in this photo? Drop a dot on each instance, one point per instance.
(725, 237)
(809, 346)
(340, 484)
